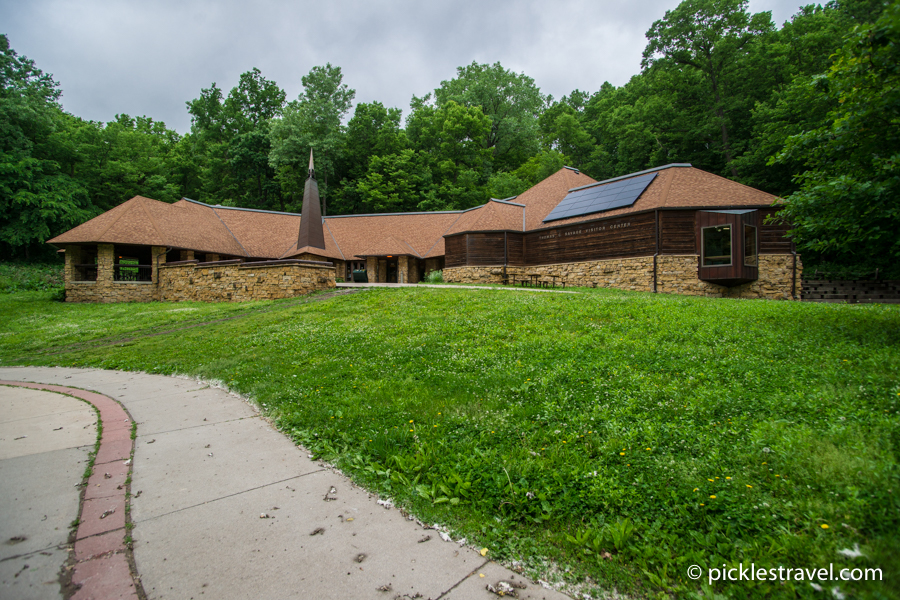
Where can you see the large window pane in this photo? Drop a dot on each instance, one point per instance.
(717, 246)
(750, 252)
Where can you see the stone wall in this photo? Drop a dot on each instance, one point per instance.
(621, 273)
(105, 289)
(236, 282)
(675, 275)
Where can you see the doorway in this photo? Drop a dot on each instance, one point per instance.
(392, 270)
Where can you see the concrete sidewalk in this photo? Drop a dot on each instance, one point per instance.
(224, 506)
(45, 440)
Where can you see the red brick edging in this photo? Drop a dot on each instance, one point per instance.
(101, 565)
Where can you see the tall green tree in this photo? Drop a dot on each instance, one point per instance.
(231, 141)
(452, 141)
(848, 206)
(510, 100)
(37, 198)
(702, 43)
(373, 131)
(313, 120)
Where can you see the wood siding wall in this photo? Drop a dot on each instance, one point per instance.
(485, 249)
(676, 232)
(516, 248)
(455, 250)
(632, 235)
(623, 237)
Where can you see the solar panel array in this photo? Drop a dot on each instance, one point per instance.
(599, 198)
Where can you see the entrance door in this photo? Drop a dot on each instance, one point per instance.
(392, 270)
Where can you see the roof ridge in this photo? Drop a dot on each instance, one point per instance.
(635, 174)
(333, 239)
(152, 220)
(116, 220)
(445, 233)
(664, 195)
(228, 229)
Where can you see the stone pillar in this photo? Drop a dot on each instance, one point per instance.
(73, 257)
(382, 270)
(414, 270)
(372, 268)
(403, 269)
(106, 260)
(157, 258)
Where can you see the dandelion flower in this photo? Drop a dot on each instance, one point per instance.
(621, 454)
(713, 497)
(728, 478)
(696, 489)
(824, 526)
(749, 486)
(410, 420)
(702, 504)
(708, 479)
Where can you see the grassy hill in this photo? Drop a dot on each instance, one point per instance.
(605, 438)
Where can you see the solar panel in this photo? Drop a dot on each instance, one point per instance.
(599, 198)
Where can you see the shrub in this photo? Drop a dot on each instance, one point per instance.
(434, 277)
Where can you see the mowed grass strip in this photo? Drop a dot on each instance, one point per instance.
(622, 436)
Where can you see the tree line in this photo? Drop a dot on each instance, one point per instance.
(807, 111)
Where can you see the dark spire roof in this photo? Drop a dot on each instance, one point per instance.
(311, 232)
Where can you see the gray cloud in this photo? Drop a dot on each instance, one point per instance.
(149, 58)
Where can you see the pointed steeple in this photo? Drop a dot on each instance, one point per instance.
(311, 231)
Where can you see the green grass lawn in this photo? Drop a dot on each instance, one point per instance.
(606, 438)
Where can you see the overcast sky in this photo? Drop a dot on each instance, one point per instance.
(149, 57)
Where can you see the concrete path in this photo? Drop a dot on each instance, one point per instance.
(511, 288)
(45, 440)
(226, 507)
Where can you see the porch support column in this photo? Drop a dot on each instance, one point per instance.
(402, 269)
(106, 260)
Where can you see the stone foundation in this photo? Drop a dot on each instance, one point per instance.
(234, 281)
(675, 275)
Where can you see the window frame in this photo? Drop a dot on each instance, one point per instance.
(730, 244)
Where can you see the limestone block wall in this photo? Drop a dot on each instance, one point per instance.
(621, 273)
(235, 281)
(676, 274)
(372, 269)
(105, 289)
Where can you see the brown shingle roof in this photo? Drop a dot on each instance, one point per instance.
(152, 223)
(422, 232)
(682, 186)
(543, 197)
(493, 216)
(388, 246)
(261, 234)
